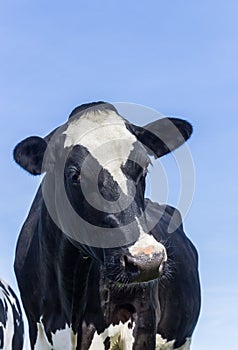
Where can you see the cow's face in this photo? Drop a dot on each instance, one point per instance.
(96, 165)
(105, 167)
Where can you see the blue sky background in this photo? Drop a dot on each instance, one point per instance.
(178, 57)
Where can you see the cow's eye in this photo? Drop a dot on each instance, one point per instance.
(74, 175)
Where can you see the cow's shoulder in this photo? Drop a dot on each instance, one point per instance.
(168, 228)
(163, 218)
(25, 239)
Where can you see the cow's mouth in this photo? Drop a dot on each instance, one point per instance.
(123, 313)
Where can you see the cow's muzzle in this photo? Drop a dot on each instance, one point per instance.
(136, 264)
(145, 266)
(142, 261)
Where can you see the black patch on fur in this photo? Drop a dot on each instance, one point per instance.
(107, 343)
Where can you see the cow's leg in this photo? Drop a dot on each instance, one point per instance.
(87, 336)
(79, 300)
(61, 339)
(144, 341)
(42, 342)
(32, 332)
(38, 337)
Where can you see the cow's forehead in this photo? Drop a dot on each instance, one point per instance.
(105, 135)
(96, 127)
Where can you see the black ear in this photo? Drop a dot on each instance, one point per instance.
(29, 154)
(163, 135)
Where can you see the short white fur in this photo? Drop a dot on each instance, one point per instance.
(63, 339)
(163, 344)
(119, 334)
(145, 240)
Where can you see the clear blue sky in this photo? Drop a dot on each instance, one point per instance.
(179, 57)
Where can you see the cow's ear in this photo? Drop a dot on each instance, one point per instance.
(29, 154)
(163, 135)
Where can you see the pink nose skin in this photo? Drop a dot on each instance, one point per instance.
(146, 258)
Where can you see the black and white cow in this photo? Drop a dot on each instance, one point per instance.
(97, 264)
(11, 323)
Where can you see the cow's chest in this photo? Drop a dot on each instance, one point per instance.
(132, 318)
(121, 309)
(115, 337)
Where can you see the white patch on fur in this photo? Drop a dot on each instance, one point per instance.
(97, 129)
(119, 334)
(147, 244)
(63, 339)
(163, 344)
(41, 340)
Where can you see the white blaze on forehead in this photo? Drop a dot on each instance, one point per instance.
(106, 137)
(147, 244)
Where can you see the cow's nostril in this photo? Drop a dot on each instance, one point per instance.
(130, 266)
(110, 221)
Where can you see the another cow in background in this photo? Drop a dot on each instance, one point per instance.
(11, 323)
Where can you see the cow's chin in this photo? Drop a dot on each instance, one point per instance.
(136, 282)
(124, 279)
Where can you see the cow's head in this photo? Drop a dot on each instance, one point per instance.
(96, 164)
